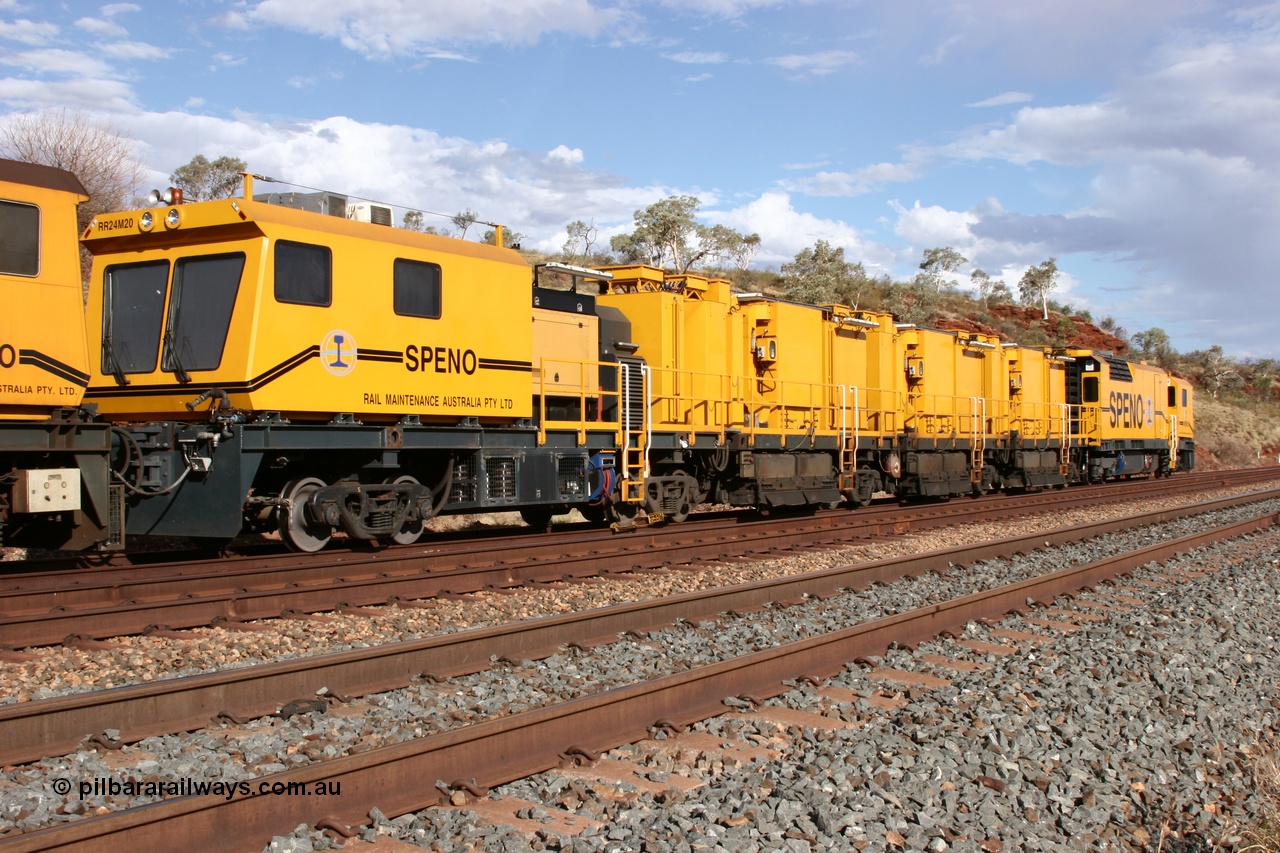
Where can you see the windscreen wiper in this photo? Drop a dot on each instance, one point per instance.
(174, 364)
(116, 370)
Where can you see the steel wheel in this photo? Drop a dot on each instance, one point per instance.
(624, 515)
(595, 513)
(682, 514)
(297, 531)
(412, 530)
(538, 517)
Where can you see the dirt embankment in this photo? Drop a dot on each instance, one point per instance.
(1082, 333)
(1233, 437)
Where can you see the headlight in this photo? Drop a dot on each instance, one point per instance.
(147, 221)
(173, 218)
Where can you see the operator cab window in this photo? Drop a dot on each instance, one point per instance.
(204, 294)
(19, 239)
(133, 311)
(304, 274)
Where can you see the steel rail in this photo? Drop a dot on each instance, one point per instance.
(77, 587)
(403, 778)
(231, 572)
(30, 730)
(137, 607)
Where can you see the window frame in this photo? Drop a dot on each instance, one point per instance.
(437, 297)
(109, 360)
(327, 285)
(37, 255)
(175, 312)
(1090, 389)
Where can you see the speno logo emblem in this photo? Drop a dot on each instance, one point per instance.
(338, 352)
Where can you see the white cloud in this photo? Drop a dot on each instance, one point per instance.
(409, 168)
(101, 28)
(933, 225)
(723, 8)
(858, 182)
(1003, 99)
(691, 57)
(226, 60)
(564, 154)
(817, 164)
(231, 20)
(395, 27)
(57, 61)
(941, 52)
(1187, 144)
(784, 231)
(925, 227)
(1186, 193)
(1154, 163)
(28, 32)
(90, 95)
(1070, 41)
(135, 50)
(814, 64)
(1178, 222)
(105, 27)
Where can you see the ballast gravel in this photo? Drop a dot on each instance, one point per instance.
(56, 671)
(988, 722)
(1137, 733)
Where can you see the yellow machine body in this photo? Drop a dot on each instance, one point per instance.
(304, 315)
(564, 346)
(1129, 414)
(1181, 405)
(54, 476)
(866, 369)
(43, 354)
(956, 385)
(688, 331)
(753, 365)
(789, 360)
(1037, 394)
(360, 379)
(1121, 400)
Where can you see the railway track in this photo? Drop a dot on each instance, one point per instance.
(32, 729)
(247, 557)
(401, 777)
(65, 607)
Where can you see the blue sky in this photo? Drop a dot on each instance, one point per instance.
(1137, 142)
